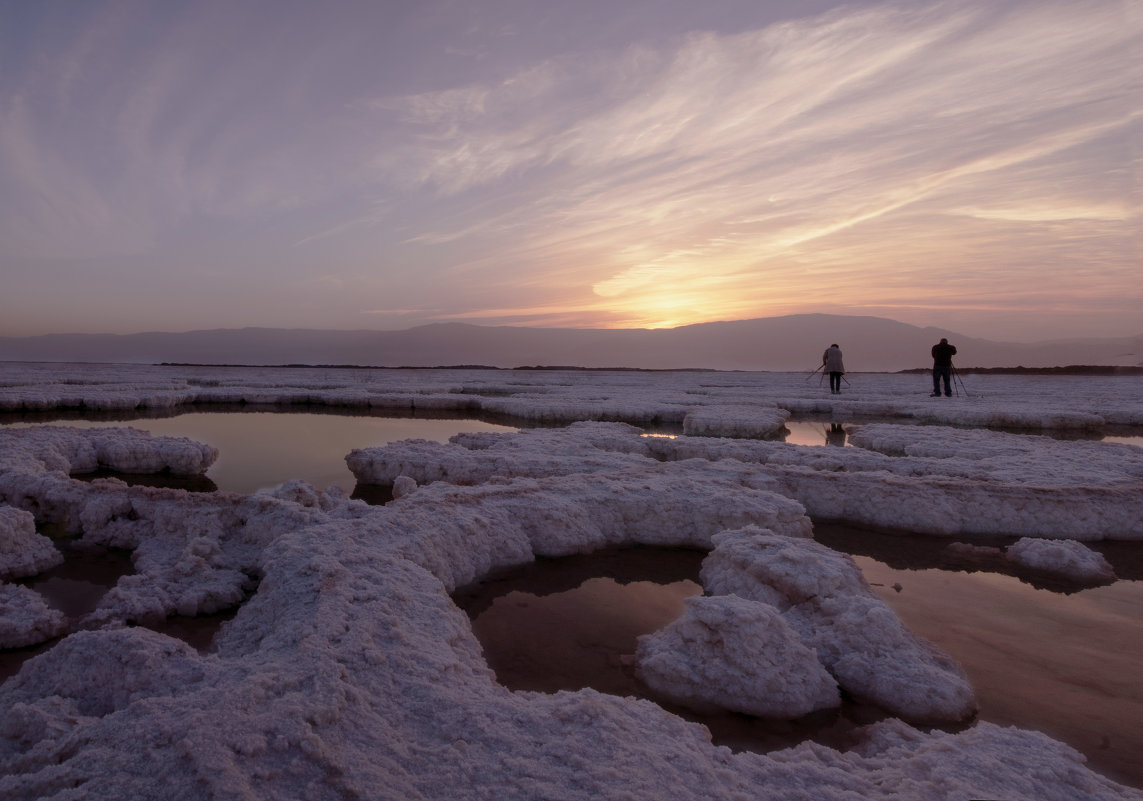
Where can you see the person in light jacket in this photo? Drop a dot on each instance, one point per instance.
(831, 363)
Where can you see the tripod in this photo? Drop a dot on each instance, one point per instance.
(958, 380)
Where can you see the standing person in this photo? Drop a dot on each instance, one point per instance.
(942, 367)
(831, 362)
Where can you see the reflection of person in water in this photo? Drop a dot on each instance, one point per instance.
(835, 435)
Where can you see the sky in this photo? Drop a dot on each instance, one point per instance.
(586, 164)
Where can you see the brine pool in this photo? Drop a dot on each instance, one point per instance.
(1058, 659)
(260, 450)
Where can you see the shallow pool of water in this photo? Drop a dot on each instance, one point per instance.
(260, 450)
(1061, 662)
(811, 433)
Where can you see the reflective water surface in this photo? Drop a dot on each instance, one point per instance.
(1041, 654)
(261, 450)
(1066, 665)
(1061, 662)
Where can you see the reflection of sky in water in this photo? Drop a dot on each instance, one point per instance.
(815, 433)
(260, 450)
(801, 433)
(1137, 441)
(597, 624)
(818, 433)
(1067, 665)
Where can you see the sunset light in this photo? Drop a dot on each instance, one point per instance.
(571, 165)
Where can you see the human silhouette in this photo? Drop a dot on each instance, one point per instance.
(835, 435)
(831, 362)
(942, 367)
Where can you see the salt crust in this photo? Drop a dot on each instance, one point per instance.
(351, 673)
(822, 596)
(126, 450)
(1072, 560)
(403, 485)
(26, 619)
(23, 552)
(935, 480)
(1034, 402)
(735, 421)
(729, 653)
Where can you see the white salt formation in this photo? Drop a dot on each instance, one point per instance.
(126, 450)
(402, 486)
(1069, 559)
(1033, 402)
(980, 483)
(859, 640)
(735, 421)
(348, 671)
(23, 552)
(26, 619)
(730, 653)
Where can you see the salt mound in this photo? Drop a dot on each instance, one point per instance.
(875, 658)
(858, 639)
(1066, 558)
(85, 450)
(26, 619)
(735, 421)
(23, 552)
(754, 563)
(730, 653)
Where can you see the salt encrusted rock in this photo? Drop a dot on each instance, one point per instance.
(84, 450)
(1066, 558)
(475, 458)
(26, 619)
(859, 640)
(866, 647)
(754, 563)
(23, 552)
(403, 485)
(298, 491)
(950, 482)
(729, 653)
(735, 421)
(131, 451)
(465, 532)
(977, 762)
(193, 553)
(1025, 485)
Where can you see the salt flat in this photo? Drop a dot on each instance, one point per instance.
(349, 672)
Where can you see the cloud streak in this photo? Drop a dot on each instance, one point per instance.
(716, 168)
(908, 157)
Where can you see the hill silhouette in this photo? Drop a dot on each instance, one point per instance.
(793, 342)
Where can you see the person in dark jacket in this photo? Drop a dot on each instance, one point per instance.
(831, 362)
(942, 367)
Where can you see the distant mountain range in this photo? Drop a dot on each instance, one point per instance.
(794, 342)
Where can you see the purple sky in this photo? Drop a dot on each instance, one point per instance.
(645, 163)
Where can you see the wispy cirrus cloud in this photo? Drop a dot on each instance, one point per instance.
(896, 156)
(715, 167)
